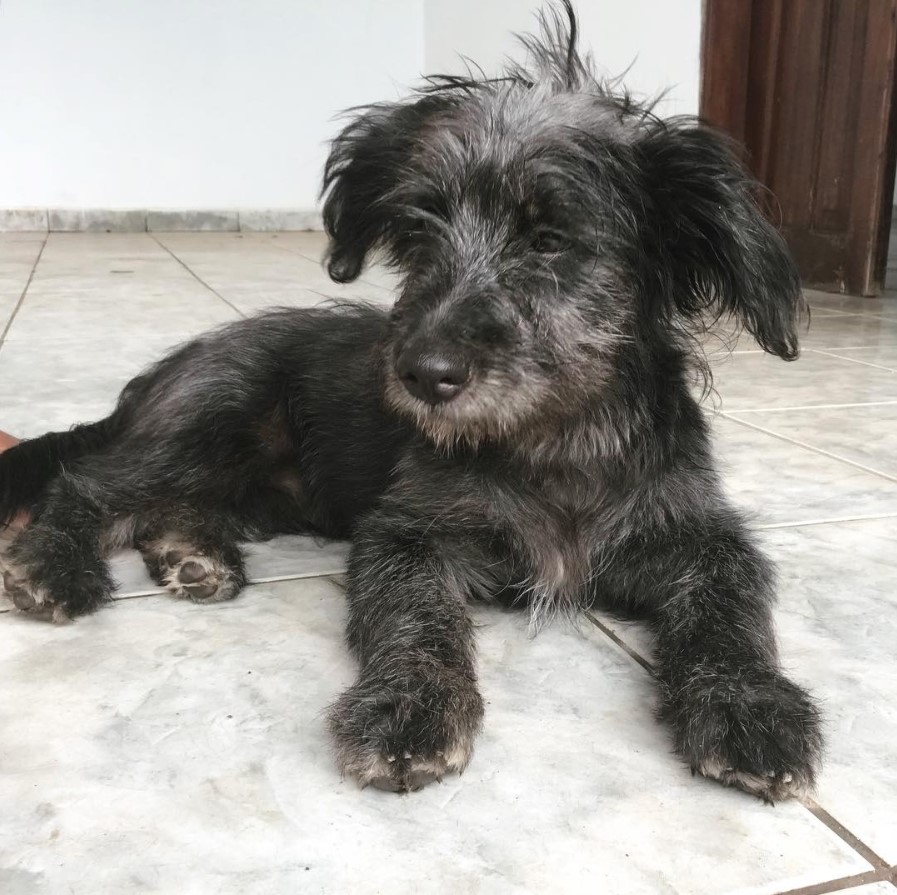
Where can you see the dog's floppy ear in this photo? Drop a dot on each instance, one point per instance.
(359, 173)
(360, 179)
(718, 254)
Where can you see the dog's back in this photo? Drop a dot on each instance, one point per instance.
(287, 400)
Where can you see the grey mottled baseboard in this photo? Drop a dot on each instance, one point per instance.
(140, 220)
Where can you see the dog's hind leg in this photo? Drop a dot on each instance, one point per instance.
(193, 554)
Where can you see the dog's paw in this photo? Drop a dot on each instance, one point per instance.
(193, 576)
(756, 731)
(53, 598)
(39, 576)
(400, 739)
(32, 598)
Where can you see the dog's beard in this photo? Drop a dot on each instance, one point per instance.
(489, 409)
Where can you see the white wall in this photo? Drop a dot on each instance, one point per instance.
(657, 40)
(188, 103)
(229, 103)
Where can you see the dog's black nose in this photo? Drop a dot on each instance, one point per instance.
(434, 378)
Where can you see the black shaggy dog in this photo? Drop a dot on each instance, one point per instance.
(519, 427)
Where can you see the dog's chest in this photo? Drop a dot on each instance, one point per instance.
(554, 527)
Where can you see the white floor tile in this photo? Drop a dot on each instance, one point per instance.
(865, 435)
(881, 356)
(169, 747)
(749, 382)
(837, 623)
(172, 747)
(778, 481)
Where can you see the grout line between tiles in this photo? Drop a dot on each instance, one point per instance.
(881, 871)
(878, 315)
(808, 407)
(831, 352)
(268, 579)
(633, 654)
(195, 275)
(831, 521)
(273, 241)
(810, 447)
(827, 349)
(288, 250)
(857, 844)
(841, 883)
(21, 300)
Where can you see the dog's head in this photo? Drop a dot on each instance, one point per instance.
(543, 225)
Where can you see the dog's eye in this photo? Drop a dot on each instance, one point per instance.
(549, 242)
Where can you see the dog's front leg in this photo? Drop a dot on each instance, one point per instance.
(708, 594)
(415, 710)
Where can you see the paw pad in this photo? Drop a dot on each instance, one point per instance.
(196, 577)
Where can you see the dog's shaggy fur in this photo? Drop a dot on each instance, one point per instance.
(520, 426)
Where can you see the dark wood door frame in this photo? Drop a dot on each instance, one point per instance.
(808, 86)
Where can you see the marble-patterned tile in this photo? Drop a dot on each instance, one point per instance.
(726, 335)
(311, 244)
(91, 286)
(881, 356)
(175, 220)
(866, 435)
(254, 273)
(821, 311)
(48, 385)
(314, 245)
(10, 293)
(855, 304)
(141, 744)
(749, 382)
(837, 623)
(838, 626)
(850, 331)
(18, 253)
(175, 312)
(97, 220)
(825, 324)
(783, 483)
(23, 220)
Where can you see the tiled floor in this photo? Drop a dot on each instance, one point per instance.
(166, 747)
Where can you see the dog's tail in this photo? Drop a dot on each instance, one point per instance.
(29, 466)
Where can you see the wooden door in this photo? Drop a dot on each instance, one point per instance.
(809, 87)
